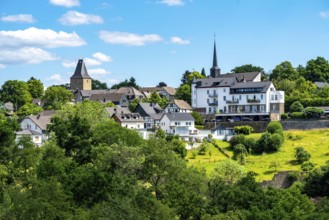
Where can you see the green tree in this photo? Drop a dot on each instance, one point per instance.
(29, 109)
(302, 155)
(316, 183)
(133, 104)
(229, 171)
(284, 71)
(203, 72)
(8, 127)
(188, 77)
(296, 107)
(155, 98)
(96, 85)
(35, 87)
(126, 83)
(317, 70)
(56, 96)
(247, 68)
(184, 92)
(17, 92)
(197, 117)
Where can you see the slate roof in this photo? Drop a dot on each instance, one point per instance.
(177, 116)
(103, 97)
(88, 93)
(28, 132)
(113, 110)
(321, 85)
(182, 104)
(129, 117)
(129, 91)
(249, 76)
(80, 71)
(150, 108)
(41, 120)
(245, 85)
(215, 82)
(170, 90)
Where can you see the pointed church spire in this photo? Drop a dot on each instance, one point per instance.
(215, 70)
(80, 79)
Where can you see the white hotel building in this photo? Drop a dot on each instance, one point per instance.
(236, 96)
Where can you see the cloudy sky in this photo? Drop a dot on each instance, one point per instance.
(155, 40)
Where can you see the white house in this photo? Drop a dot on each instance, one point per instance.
(237, 96)
(178, 123)
(178, 105)
(36, 137)
(129, 120)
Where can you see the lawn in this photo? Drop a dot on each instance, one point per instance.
(316, 142)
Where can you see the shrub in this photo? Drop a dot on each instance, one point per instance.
(307, 166)
(296, 107)
(297, 115)
(284, 116)
(302, 155)
(237, 139)
(313, 112)
(269, 143)
(246, 130)
(274, 127)
(238, 150)
(250, 144)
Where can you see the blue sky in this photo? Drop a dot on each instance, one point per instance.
(155, 40)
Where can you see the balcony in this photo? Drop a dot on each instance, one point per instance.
(215, 103)
(253, 101)
(232, 101)
(213, 95)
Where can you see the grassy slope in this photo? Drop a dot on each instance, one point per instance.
(316, 142)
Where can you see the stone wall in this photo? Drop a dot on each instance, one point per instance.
(304, 124)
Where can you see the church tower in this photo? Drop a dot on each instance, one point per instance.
(80, 79)
(214, 70)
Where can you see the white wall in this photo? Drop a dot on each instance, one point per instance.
(30, 125)
(133, 125)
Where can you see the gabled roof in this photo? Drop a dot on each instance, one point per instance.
(170, 90)
(250, 76)
(80, 71)
(150, 108)
(215, 82)
(263, 85)
(128, 117)
(28, 132)
(182, 104)
(177, 116)
(113, 97)
(129, 91)
(119, 110)
(88, 93)
(41, 120)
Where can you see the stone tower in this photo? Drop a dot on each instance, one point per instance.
(80, 79)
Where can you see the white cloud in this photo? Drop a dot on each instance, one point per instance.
(172, 2)
(102, 57)
(324, 14)
(178, 40)
(30, 55)
(91, 62)
(23, 18)
(2, 66)
(98, 71)
(56, 77)
(65, 3)
(128, 38)
(77, 18)
(68, 64)
(40, 37)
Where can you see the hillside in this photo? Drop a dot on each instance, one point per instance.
(316, 142)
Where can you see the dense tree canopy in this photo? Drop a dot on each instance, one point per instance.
(126, 83)
(17, 92)
(56, 96)
(284, 71)
(96, 84)
(36, 88)
(247, 68)
(317, 70)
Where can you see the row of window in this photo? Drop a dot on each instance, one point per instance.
(236, 98)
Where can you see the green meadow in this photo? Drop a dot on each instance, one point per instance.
(316, 142)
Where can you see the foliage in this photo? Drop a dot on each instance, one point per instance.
(197, 117)
(133, 104)
(29, 109)
(313, 112)
(296, 107)
(239, 153)
(307, 166)
(56, 96)
(246, 129)
(35, 87)
(17, 92)
(274, 127)
(126, 83)
(269, 143)
(229, 171)
(297, 115)
(188, 77)
(155, 98)
(184, 92)
(96, 85)
(302, 155)
(317, 70)
(316, 183)
(284, 71)
(161, 84)
(8, 127)
(284, 116)
(247, 68)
